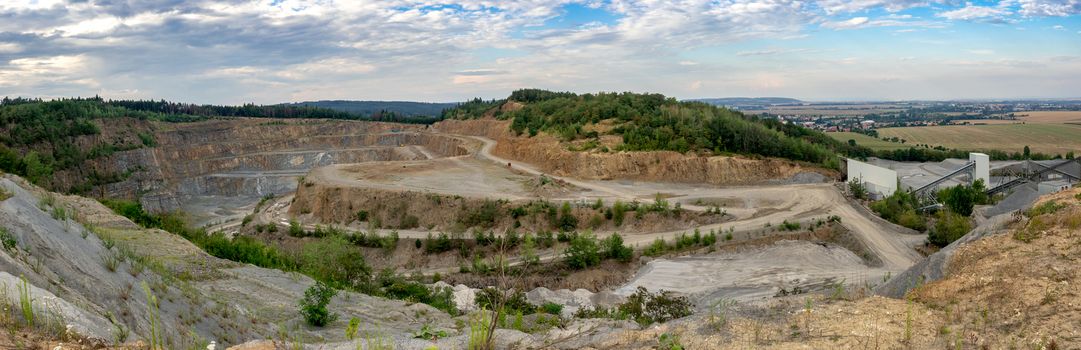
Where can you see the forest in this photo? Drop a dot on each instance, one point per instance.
(652, 122)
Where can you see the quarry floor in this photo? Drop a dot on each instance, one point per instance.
(751, 274)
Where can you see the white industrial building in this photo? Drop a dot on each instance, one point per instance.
(879, 181)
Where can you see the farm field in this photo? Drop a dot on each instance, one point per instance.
(1050, 117)
(864, 140)
(1046, 138)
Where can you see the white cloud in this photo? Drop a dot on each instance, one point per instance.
(1055, 8)
(971, 12)
(854, 22)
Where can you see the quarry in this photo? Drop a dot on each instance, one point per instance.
(760, 251)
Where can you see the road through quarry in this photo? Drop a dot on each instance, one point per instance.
(747, 274)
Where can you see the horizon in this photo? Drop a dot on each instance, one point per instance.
(285, 51)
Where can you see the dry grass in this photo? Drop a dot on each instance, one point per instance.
(1046, 138)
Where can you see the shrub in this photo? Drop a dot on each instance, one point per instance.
(552, 308)
(790, 226)
(582, 252)
(658, 247)
(619, 211)
(948, 228)
(960, 199)
(313, 307)
(484, 216)
(1048, 207)
(614, 248)
(856, 188)
(362, 215)
(490, 298)
(643, 307)
(567, 220)
(7, 239)
(545, 239)
(295, 230)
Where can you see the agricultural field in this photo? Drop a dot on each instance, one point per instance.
(864, 140)
(1046, 138)
(1050, 117)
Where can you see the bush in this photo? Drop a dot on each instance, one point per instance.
(582, 252)
(619, 211)
(643, 307)
(614, 248)
(948, 228)
(567, 220)
(960, 199)
(552, 308)
(490, 298)
(658, 247)
(313, 307)
(856, 188)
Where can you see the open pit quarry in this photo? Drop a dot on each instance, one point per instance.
(318, 173)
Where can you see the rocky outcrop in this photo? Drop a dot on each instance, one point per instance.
(242, 157)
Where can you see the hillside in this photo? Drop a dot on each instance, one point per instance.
(653, 122)
(367, 108)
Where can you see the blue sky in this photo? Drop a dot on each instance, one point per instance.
(288, 50)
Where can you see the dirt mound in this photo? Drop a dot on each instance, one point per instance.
(550, 155)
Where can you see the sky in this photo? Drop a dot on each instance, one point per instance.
(231, 52)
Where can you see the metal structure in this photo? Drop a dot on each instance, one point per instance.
(927, 192)
(1036, 176)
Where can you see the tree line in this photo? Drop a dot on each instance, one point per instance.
(654, 122)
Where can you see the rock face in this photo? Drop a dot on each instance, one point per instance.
(244, 157)
(66, 263)
(549, 155)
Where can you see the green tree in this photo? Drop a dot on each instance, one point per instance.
(614, 248)
(948, 227)
(960, 199)
(313, 307)
(582, 252)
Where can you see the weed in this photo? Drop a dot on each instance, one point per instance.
(376, 340)
(668, 341)
(157, 341)
(718, 312)
(426, 332)
(26, 301)
(351, 329)
(479, 324)
(7, 239)
(110, 260)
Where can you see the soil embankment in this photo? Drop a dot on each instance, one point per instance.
(549, 155)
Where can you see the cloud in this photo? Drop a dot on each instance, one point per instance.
(854, 22)
(971, 12)
(268, 51)
(481, 72)
(1054, 8)
(770, 52)
(842, 6)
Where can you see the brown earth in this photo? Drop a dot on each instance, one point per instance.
(332, 204)
(548, 154)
